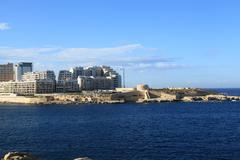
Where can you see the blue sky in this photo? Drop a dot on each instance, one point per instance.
(179, 43)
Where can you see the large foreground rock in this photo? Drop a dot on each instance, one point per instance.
(19, 156)
(26, 156)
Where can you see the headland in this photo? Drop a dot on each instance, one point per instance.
(139, 94)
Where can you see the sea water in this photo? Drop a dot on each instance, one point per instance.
(185, 131)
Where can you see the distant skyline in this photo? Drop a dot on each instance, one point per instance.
(163, 43)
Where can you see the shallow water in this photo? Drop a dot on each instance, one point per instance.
(125, 131)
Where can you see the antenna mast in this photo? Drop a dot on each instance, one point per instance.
(123, 77)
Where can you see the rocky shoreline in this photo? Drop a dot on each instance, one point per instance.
(208, 98)
(119, 97)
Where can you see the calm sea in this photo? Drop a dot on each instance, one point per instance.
(181, 131)
(227, 91)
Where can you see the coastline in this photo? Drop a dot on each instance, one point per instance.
(120, 97)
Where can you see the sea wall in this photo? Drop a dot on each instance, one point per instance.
(23, 100)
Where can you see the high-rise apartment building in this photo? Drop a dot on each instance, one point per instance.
(94, 71)
(64, 75)
(6, 72)
(31, 76)
(21, 68)
(95, 83)
(76, 71)
(109, 72)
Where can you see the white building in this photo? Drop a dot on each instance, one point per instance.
(109, 72)
(94, 71)
(66, 82)
(95, 83)
(85, 83)
(31, 76)
(64, 75)
(65, 86)
(28, 87)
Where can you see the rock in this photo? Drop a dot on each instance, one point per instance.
(19, 156)
(216, 98)
(197, 99)
(187, 99)
(84, 158)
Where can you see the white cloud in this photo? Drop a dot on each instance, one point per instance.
(4, 26)
(80, 53)
(131, 55)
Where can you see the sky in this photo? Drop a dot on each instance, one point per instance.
(162, 43)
